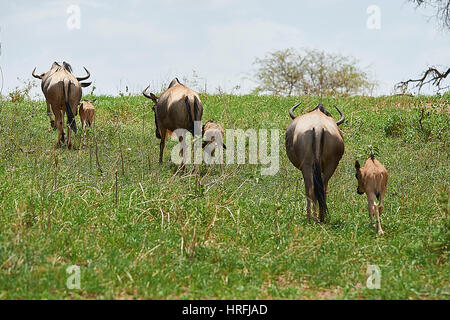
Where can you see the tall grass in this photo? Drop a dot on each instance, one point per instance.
(141, 230)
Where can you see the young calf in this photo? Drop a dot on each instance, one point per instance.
(372, 180)
(213, 134)
(87, 112)
(213, 130)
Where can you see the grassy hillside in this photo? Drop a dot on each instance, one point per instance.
(236, 235)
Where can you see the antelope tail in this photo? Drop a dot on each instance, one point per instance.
(193, 113)
(197, 114)
(70, 115)
(190, 115)
(319, 190)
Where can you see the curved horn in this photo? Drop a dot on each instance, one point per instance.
(35, 75)
(341, 121)
(146, 95)
(86, 77)
(291, 110)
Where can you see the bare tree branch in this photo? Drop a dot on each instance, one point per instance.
(432, 75)
(442, 8)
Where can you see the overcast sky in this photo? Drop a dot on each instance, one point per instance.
(136, 43)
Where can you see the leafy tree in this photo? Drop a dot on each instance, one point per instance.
(280, 72)
(292, 72)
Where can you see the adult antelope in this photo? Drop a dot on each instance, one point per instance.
(177, 108)
(62, 91)
(372, 180)
(314, 145)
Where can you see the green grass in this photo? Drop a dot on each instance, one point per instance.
(236, 235)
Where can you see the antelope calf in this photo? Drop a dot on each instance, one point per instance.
(87, 112)
(372, 180)
(214, 134)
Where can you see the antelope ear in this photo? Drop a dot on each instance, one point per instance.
(357, 165)
(85, 84)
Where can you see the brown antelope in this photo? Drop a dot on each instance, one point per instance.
(87, 112)
(62, 91)
(177, 108)
(314, 145)
(211, 131)
(213, 135)
(372, 180)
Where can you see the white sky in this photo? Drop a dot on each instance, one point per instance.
(136, 43)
